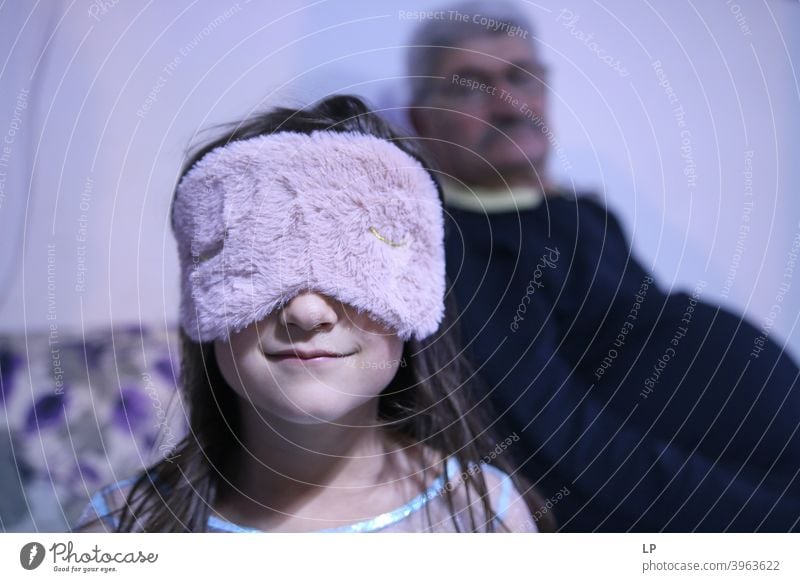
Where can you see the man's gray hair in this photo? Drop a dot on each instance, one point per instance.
(453, 26)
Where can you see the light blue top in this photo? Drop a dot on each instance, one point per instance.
(99, 505)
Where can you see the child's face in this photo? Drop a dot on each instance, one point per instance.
(315, 360)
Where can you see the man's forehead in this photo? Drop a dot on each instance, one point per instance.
(488, 53)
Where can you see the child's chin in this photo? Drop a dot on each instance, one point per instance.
(316, 412)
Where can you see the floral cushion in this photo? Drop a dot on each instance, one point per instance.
(79, 412)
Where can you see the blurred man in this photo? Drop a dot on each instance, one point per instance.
(656, 411)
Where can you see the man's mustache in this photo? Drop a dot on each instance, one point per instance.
(503, 126)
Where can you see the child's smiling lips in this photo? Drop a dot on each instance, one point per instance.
(306, 355)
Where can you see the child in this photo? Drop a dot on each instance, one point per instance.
(320, 364)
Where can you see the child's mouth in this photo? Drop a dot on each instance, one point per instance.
(307, 356)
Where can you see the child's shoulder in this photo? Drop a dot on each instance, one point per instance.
(101, 514)
(510, 509)
(505, 500)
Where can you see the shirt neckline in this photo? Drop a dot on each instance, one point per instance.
(372, 524)
(489, 200)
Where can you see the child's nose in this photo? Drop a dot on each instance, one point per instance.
(309, 310)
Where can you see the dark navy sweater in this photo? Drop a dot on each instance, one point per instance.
(658, 411)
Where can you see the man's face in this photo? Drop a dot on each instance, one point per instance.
(489, 104)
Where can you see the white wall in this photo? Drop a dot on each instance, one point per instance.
(85, 158)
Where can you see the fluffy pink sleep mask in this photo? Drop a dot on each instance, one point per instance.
(345, 214)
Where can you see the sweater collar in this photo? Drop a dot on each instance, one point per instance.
(490, 200)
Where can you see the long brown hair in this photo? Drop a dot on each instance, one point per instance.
(434, 399)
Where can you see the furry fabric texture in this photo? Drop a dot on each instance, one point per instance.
(348, 215)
